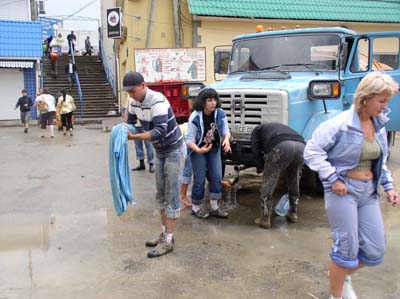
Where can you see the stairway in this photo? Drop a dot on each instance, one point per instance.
(98, 99)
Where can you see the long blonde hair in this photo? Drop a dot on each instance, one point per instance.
(373, 84)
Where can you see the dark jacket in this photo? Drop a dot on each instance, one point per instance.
(71, 37)
(25, 103)
(267, 135)
(88, 45)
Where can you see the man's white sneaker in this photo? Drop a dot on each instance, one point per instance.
(348, 291)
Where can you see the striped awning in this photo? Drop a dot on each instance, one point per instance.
(16, 64)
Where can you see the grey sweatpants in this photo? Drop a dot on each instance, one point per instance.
(356, 225)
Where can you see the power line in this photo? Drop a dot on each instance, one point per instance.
(82, 8)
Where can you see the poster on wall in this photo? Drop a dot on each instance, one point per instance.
(171, 64)
(114, 22)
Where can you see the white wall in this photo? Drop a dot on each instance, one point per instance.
(15, 10)
(11, 85)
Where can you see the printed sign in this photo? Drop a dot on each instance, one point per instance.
(172, 64)
(114, 22)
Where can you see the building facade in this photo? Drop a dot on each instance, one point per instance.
(20, 54)
(208, 24)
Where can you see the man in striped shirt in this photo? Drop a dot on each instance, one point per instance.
(160, 127)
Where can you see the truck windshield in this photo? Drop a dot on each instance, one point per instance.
(286, 53)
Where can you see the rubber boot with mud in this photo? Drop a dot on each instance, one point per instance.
(291, 217)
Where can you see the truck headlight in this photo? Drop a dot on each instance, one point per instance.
(191, 90)
(324, 89)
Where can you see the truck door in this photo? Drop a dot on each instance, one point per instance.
(378, 51)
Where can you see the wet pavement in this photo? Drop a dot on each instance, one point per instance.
(60, 237)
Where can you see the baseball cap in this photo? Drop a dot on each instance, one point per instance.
(131, 79)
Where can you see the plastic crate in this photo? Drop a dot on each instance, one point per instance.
(172, 91)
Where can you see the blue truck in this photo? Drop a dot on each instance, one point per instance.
(300, 78)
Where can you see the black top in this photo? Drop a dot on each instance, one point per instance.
(71, 37)
(210, 130)
(267, 135)
(25, 103)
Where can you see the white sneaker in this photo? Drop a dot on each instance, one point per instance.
(348, 291)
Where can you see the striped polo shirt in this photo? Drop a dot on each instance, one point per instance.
(157, 117)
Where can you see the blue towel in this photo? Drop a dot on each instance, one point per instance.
(120, 178)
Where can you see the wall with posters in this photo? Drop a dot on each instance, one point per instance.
(172, 64)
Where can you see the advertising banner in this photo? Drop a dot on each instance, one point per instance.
(171, 64)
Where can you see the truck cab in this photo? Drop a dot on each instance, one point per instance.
(300, 78)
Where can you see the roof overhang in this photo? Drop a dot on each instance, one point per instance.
(292, 21)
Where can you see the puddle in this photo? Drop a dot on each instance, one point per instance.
(18, 231)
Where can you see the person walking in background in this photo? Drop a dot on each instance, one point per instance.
(160, 126)
(59, 44)
(71, 38)
(140, 151)
(207, 132)
(46, 104)
(277, 152)
(25, 103)
(70, 70)
(349, 152)
(49, 42)
(66, 105)
(88, 47)
(53, 63)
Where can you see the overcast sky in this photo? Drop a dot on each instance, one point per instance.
(67, 7)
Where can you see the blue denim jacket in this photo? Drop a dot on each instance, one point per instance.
(195, 131)
(336, 145)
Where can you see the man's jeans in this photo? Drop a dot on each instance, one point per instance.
(139, 148)
(212, 162)
(169, 167)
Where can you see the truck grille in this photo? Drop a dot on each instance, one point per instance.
(251, 108)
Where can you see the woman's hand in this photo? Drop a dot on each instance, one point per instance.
(392, 197)
(204, 149)
(226, 145)
(339, 187)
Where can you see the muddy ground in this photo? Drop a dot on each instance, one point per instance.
(60, 237)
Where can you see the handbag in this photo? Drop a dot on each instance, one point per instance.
(42, 105)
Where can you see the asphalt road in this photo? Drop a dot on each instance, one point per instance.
(60, 237)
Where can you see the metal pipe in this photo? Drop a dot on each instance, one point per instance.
(150, 26)
(176, 23)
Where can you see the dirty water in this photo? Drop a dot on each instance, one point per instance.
(60, 237)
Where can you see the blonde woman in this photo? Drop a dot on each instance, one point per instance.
(349, 153)
(67, 107)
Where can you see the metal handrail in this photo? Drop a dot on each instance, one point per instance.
(78, 83)
(109, 74)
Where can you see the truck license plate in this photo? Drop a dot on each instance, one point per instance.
(244, 129)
